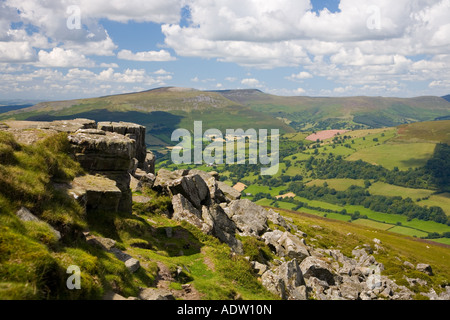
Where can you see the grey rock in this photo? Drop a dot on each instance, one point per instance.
(250, 218)
(192, 187)
(184, 210)
(25, 215)
(156, 294)
(259, 267)
(285, 280)
(315, 267)
(277, 219)
(425, 268)
(132, 265)
(143, 178)
(132, 131)
(229, 192)
(408, 264)
(285, 244)
(103, 152)
(221, 226)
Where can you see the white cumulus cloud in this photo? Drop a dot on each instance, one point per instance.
(161, 55)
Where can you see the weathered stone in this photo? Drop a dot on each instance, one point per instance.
(96, 193)
(425, 268)
(285, 280)
(67, 125)
(122, 180)
(293, 246)
(277, 219)
(164, 177)
(315, 267)
(250, 218)
(215, 193)
(132, 265)
(133, 131)
(156, 294)
(104, 243)
(149, 163)
(146, 179)
(192, 187)
(184, 210)
(25, 215)
(103, 152)
(285, 244)
(259, 267)
(350, 288)
(222, 227)
(229, 192)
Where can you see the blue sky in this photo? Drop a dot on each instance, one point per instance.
(69, 49)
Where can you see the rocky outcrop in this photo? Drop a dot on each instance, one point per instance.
(117, 152)
(304, 271)
(137, 133)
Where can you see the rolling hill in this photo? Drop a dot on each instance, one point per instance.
(162, 110)
(320, 113)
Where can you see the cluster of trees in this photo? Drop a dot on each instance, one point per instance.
(336, 167)
(439, 166)
(360, 196)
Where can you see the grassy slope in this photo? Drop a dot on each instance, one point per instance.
(372, 111)
(346, 236)
(160, 110)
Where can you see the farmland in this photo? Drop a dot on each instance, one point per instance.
(397, 152)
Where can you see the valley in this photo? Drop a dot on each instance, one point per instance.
(342, 185)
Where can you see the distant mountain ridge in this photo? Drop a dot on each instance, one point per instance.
(447, 97)
(163, 109)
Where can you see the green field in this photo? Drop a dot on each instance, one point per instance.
(400, 155)
(439, 200)
(373, 224)
(408, 231)
(337, 184)
(389, 190)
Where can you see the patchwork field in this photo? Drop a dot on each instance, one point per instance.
(400, 155)
(337, 184)
(384, 189)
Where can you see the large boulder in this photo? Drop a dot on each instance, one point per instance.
(229, 193)
(425, 268)
(222, 227)
(96, 192)
(183, 210)
(132, 131)
(250, 218)
(317, 268)
(285, 244)
(192, 187)
(98, 150)
(215, 193)
(286, 281)
(165, 177)
(293, 247)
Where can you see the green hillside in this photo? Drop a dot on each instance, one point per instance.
(160, 110)
(320, 113)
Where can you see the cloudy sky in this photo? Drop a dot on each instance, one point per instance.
(85, 48)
